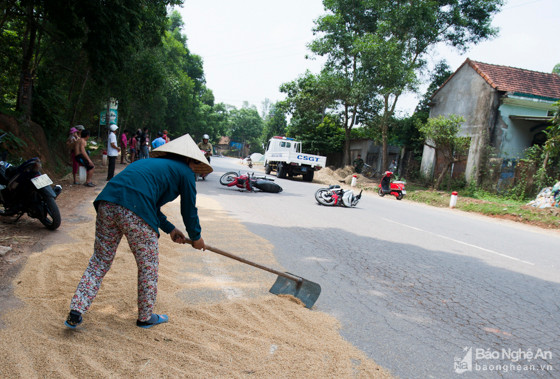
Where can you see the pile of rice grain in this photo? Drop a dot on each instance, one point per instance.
(263, 336)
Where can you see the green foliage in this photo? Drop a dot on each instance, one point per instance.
(442, 133)
(376, 48)
(275, 123)
(327, 138)
(9, 68)
(127, 50)
(246, 126)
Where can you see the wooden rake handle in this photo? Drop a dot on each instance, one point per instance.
(251, 263)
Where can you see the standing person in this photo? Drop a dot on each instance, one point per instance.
(145, 144)
(133, 148)
(130, 205)
(82, 157)
(70, 142)
(124, 144)
(112, 151)
(393, 166)
(158, 141)
(166, 137)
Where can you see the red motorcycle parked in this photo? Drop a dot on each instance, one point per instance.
(386, 187)
(249, 182)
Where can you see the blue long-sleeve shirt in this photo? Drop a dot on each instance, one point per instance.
(144, 186)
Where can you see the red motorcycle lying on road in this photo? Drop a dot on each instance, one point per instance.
(249, 182)
(386, 187)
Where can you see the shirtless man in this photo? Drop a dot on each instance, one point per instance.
(82, 157)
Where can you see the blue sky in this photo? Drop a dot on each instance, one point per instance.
(251, 47)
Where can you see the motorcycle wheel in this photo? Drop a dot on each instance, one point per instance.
(228, 177)
(51, 216)
(400, 196)
(380, 192)
(324, 197)
(267, 186)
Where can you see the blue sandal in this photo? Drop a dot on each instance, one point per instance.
(74, 319)
(154, 320)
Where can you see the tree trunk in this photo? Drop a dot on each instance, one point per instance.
(442, 175)
(346, 157)
(76, 105)
(384, 132)
(25, 89)
(545, 161)
(384, 149)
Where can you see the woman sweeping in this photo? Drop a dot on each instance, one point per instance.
(130, 205)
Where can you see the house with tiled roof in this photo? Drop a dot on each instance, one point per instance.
(505, 108)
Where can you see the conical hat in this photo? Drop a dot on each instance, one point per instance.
(184, 146)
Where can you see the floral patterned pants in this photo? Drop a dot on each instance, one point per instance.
(113, 221)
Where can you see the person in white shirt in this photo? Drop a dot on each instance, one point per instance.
(112, 151)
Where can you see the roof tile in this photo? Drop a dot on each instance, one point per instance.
(511, 79)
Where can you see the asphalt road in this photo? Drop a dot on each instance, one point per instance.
(418, 289)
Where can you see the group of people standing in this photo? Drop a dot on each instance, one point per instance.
(139, 144)
(131, 148)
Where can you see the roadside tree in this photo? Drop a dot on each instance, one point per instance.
(442, 135)
(376, 48)
(246, 127)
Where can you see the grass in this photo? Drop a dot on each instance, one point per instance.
(490, 205)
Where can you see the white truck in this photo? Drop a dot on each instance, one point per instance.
(285, 157)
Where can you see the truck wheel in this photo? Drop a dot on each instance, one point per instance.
(280, 171)
(308, 176)
(267, 169)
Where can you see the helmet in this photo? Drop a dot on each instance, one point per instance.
(205, 136)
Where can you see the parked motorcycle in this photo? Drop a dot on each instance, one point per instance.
(249, 182)
(387, 187)
(23, 189)
(334, 195)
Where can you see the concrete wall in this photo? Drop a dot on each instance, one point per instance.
(372, 153)
(466, 94)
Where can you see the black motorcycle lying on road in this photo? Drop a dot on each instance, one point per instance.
(24, 189)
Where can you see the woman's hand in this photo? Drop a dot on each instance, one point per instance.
(177, 236)
(199, 244)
